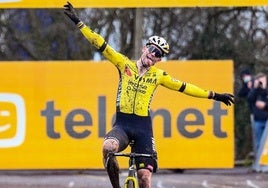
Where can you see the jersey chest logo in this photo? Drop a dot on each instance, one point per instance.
(127, 71)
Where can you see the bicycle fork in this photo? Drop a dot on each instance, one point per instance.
(131, 181)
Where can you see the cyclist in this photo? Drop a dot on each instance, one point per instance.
(138, 81)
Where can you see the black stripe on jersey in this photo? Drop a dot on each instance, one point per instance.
(103, 46)
(182, 87)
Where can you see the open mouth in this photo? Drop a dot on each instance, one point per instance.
(150, 58)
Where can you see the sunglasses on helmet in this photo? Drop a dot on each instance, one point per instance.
(157, 52)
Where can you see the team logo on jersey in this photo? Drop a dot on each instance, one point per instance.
(127, 71)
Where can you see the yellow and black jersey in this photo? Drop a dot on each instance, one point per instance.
(135, 92)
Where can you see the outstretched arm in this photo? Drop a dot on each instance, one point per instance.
(195, 91)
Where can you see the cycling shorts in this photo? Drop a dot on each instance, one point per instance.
(137, 129)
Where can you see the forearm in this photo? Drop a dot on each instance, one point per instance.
(94, 38)
(226, 98)
(184, 87)
(195, 91)
(101, 45)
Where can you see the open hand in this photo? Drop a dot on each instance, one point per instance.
(70, 12)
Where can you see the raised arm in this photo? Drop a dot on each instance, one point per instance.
(94, 38)
(98, 41)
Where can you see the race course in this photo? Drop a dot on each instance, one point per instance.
(239, 177)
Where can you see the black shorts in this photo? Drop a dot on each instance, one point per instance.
(130, 127)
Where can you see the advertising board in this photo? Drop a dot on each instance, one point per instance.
(53, 115)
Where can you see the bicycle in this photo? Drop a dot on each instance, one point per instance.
(131, 180)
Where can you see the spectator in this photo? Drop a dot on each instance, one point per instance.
(247, 79)
(257, 98)
(247, 83)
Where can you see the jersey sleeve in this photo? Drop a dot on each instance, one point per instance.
(101, 45)
(184, 87)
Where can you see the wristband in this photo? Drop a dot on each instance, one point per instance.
(80, 24)
(103, 46)
(211, 95)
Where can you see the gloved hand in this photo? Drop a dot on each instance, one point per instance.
(226, 98)
(70, 12)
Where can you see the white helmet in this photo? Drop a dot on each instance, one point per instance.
(159, 42)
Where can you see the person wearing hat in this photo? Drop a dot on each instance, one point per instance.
(138, 81)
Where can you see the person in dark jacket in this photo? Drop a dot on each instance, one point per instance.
(247, 82)
(257, 97)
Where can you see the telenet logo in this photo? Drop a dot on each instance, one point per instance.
(12, 120)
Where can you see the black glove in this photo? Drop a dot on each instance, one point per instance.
(226, 98)
(70, 12)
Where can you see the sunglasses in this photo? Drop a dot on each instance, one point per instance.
(157, 52)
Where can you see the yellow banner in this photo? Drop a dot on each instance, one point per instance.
(128, 3)
(53, 115)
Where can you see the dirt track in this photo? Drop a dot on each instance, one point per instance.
(232, 178)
